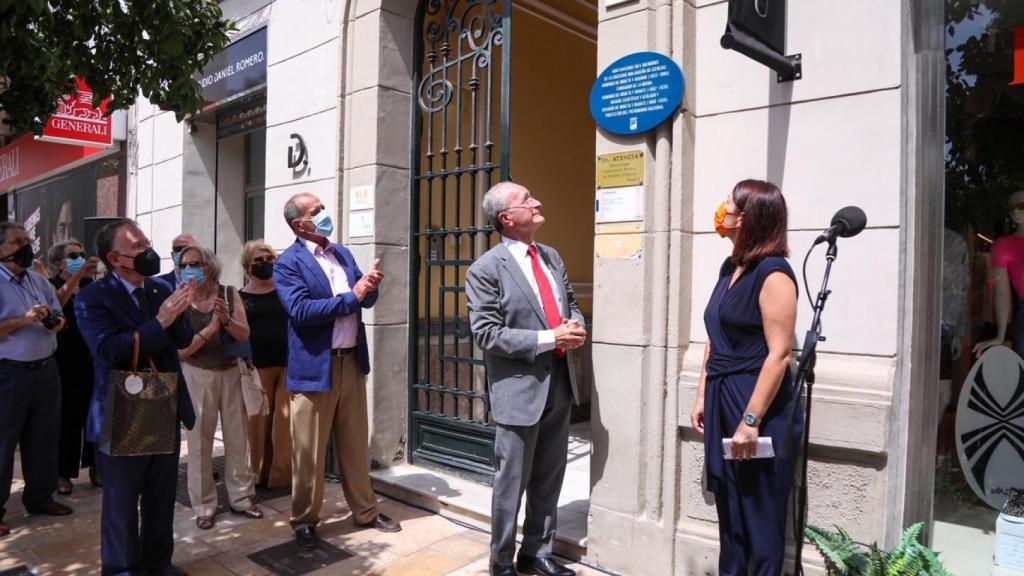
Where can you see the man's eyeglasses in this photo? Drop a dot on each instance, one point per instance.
(264, 259)
(74, 255)
(178, 249)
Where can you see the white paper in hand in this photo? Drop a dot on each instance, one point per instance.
(764, 448)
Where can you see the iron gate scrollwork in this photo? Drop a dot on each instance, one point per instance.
(460, 148)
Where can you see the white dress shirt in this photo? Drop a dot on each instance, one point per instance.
(545, 338)
(346, 328)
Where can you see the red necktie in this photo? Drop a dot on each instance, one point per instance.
(547, 296)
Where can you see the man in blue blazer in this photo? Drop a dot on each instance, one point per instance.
(180, 242)
(110, 311)
(324, 292)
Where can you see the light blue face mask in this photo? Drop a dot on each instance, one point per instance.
(176, 257)
(74, 264)
(190, 273)
(324, 224)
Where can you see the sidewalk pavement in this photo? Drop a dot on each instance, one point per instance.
(428, 544)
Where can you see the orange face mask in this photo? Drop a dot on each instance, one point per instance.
(720, 215)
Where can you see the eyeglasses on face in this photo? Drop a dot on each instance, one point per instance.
(192, 263)
(74, 255)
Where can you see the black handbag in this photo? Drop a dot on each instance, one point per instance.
(140, 417)
(233, 348)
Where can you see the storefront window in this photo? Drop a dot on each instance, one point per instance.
(980, 437)
(54, 211)
(255, 169)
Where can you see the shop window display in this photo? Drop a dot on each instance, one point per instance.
(980, 436)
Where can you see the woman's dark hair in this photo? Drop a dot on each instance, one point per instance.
(763, 232)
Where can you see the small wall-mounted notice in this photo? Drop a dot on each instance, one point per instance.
(361, 198)
(360, 223)
(620, 169)
(624, 204)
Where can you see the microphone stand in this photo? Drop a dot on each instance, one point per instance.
(805, 378)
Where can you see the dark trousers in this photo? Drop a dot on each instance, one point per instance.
(76, 392)
(531, 459)
(29, 416)
(752, 505)
(137, 526)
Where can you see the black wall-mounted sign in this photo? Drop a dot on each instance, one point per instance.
(757, 29)
(297, 155)
(240, 67)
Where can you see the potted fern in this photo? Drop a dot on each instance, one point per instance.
(846, 557)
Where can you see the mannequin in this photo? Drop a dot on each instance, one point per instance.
(1008, 279)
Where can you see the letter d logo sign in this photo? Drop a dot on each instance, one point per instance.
(1018, 56)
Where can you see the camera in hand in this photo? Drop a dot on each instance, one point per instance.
(51, 320)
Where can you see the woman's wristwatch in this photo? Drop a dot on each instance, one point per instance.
(750, 420)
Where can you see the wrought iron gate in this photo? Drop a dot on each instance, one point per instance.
(460, 148)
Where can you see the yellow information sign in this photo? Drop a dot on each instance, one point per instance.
(620, 169)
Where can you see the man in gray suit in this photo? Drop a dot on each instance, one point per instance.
(525, 318)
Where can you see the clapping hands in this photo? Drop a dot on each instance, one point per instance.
(369, 282)
(176, 303)
(570, 334)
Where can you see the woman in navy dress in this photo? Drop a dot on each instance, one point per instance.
(746, 387)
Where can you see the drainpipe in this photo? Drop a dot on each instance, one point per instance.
(655, 404)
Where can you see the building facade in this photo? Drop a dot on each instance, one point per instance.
(399, 114)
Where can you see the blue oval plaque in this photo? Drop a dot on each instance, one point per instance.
(637, 92)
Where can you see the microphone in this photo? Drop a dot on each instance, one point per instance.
(847, 222)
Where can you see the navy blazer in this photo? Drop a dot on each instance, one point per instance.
(170, 278)
(312, 309)
(108, 317)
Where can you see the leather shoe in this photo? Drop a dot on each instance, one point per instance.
(541, 566)
(501, 570)
(4, 530)
(52, 509)
(306, 538)
(384, 523)
(253, 512)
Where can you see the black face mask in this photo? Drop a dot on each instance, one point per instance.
(146, 262)
(263, 270)
(23, 256)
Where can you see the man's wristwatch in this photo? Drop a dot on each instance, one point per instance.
(750, 420)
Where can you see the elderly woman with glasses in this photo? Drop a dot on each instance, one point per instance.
(74, 271)
(214, 382)
(270, 439)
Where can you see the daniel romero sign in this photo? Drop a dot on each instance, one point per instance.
(236, 69)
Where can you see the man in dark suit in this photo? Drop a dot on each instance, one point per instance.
(110, 311)
(324, 292)
(525, 319)
(180, 242)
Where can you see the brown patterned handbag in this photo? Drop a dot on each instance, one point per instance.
(140, 417)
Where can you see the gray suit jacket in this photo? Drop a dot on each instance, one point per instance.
(505, 316)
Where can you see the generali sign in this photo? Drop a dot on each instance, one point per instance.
(79, 120)
(28, 158)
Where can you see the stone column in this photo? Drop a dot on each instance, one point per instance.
(641, 288)
(376, 154)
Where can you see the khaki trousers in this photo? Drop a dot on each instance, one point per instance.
(270, 435)
(314, 414)
(217, 393)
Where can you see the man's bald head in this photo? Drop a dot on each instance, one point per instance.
(297, 206)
